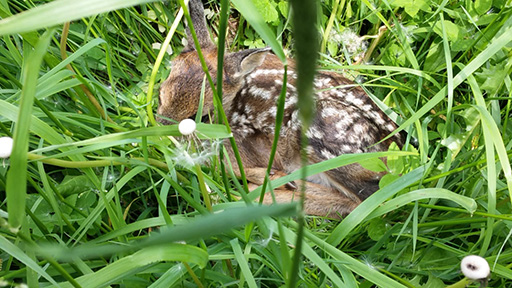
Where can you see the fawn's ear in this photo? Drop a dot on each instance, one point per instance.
(241, 63)
(196, 10)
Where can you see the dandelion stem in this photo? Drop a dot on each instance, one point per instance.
(202, 186)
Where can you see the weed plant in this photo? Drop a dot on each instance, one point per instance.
(97, 194)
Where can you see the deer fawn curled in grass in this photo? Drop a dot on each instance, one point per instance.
(347, 121)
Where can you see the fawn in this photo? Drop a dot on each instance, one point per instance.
(346, 121)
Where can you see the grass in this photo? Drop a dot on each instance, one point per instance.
(95, 194)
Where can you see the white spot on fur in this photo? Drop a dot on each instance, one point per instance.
(366, 107)
(264, 72)
(352, 99)
(273, 112)
(313, 132)
(344, 121)
(241, 124)
(260, 92)
(359, 129)
(289, 87)
(328, 155)
(346, 148)
(330, 112)
(294, 123)
(322, 82)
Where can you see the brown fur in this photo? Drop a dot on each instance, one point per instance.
(347, 121)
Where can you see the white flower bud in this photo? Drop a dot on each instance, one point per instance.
(5, 147)
(475, 267)
(187, 126)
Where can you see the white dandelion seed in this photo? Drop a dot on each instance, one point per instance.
(184, 156)
(5, 147)
(353, 43)
(187, 126)
(475, 267)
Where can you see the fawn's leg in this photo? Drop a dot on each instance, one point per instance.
(320, 200)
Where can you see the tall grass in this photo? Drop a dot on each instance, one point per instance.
(95, 194)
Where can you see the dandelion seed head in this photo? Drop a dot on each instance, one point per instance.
(368, 261)
(475, 267)
(6, 144)
(264, 241)
(111, 177)
(186, 157)
(408, 32)
(335, 36)
(353, 42)
(187, 127)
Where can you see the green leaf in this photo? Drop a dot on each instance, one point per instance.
(267, 10)
(394, 55)
(491, 78)
(395, 163)
(412, 7)
(258, 23)
(74, 185)
(482, 6)
(453, 31)
(374, 164)
(284, 8)
(142, 63)
(376, 229)
(386, 179)
(434, 282)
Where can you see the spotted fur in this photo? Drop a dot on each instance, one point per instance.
(346, 121)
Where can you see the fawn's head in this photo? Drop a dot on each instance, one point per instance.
(180, 93)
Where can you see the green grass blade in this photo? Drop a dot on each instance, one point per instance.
(353, 264)
(158, 61)
(310, 253)
(468, 203)
(330, 164)
(244, 265)
(96, 212)
(489, 125)
(60, 11)
(144, 257)
(17, 253)
(76, 55)
(206, 131)
(371, 203)
(495, 46)
(16, 186)
(201, 228)
(449, 72)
